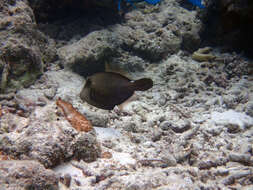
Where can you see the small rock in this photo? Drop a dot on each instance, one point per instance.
(222, 172)
(156, 136)
(7, 96)
(238, 175)
(181, 127)
(241, 158)
(212, 163)
(130, 127)
(203, 165)
(202, 55)
(41, 103)
(231, 128)
(66, 180)
(86, 147)
(229, 180)
(108, 135)
(97, 119)
(233, 118)
(106, 155)
(108, 144)
(214, 130)
(190, 134)
(170, 160)
(165, 125)
(246, 148)
(162, 101)
(50, 93)
(249, 108)
(135, 139)
(241, 174)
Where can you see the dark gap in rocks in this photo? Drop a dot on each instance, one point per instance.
(49, 11)
(229, 25)
(67, 19)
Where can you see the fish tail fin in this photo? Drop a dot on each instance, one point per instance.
(143, 84)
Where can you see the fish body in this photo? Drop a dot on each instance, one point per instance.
(107, 89)
(198, 3)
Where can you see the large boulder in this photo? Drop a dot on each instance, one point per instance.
(88, 54)
(22, 47)
(150, 33)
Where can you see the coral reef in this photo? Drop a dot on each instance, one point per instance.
(76, 119)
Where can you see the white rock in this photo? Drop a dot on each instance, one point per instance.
(107, 133)
(232, 117)
(123, 158)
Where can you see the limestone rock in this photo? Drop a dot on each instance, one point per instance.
(26, 174)
(22, 47)
(89, 53)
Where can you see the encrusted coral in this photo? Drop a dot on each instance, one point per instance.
(76, 119)
(203, 54)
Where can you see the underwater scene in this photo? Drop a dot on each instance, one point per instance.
(126, 95)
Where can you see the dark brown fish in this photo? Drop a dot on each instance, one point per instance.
(107, 89)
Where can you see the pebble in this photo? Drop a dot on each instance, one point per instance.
(189, 134)
(221, 172)
(156, 136)
(238, 175)
(50, 93)
(212, 163)
(232, 128)
(181, 127)
(66, 179)
(170, 160)
(241, 158)
(165, 125)
(130, 127)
